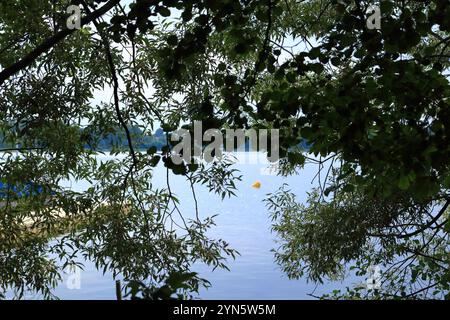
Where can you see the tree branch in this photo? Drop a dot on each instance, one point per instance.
(116, 92)
(51, 42)
(418, 231)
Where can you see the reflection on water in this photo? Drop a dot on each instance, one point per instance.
(242, 221)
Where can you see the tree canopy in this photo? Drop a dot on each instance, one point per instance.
(373, 105)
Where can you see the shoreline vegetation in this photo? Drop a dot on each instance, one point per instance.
(37, 227)
(141, 141)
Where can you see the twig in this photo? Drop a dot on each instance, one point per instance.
(52, 41)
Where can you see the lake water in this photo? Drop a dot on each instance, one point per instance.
(244, 222)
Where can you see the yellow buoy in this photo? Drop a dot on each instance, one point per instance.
(256, 185)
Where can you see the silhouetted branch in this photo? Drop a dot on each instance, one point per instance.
(51, 42)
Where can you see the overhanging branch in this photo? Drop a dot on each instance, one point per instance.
(52, 41)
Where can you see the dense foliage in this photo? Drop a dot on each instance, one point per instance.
(373, 104)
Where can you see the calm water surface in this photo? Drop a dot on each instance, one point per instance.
(244, 222)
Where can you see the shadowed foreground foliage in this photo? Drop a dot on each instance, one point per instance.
(373, 105)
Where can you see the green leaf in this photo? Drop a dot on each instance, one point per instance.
(403, 183)
(164, 11)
